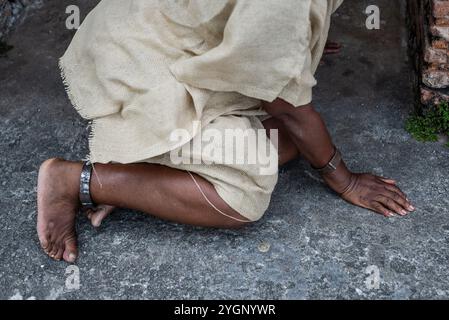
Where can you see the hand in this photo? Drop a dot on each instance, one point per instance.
(377, 194)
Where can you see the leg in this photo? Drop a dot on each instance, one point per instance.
(286, 148)
(301, 122)
(309, 133)
(164, 192)
(161, 191)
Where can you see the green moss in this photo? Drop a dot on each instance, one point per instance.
(427, 126)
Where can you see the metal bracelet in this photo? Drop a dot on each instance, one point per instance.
(84, 195)
(332, 165)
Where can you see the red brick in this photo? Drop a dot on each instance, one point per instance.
(440, 44)
(436, 56)
(440, 8)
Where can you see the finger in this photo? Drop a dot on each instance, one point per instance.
(391, 204)
(393, 201)
(387, 180)
(379, 208)
(403, 200)
(397, 198)
(396, 189)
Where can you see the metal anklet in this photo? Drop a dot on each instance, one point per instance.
(332, 165)
(85, 198)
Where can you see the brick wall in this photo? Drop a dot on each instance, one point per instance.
(429, 25)
(10, 11)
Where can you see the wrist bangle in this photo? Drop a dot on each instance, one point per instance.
(332, 165)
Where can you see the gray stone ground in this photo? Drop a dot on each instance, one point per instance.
(320, 246)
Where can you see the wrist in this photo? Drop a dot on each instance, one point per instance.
(339, 179)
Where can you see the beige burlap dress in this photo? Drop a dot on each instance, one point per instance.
(142, 69)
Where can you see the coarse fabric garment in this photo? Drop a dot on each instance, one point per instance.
(142, 69)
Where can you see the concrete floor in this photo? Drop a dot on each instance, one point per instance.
(319, 246)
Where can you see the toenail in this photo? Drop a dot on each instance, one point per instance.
(72, 257)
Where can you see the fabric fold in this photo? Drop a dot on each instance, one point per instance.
(141, 69)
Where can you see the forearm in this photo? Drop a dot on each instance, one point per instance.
(309, 133)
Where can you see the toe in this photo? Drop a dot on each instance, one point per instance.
(98, 216)
(44, 243)
(49, 247)
(59, 254)
(71, 251)
(54, 251)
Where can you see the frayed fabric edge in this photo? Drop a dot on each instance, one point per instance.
(65, 76)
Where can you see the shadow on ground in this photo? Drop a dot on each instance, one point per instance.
(320, 247)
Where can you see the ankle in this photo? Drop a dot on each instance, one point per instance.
(66, 173)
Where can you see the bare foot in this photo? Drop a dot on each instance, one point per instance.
(57, 206)
(97, 215)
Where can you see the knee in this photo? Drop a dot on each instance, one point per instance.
(232, 224)
(278, 108)
(284, 111)
(235, 225)
(239, 221)
(236, 222)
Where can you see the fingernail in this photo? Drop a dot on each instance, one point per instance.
(72, 257)
(403, 212)
(412, 208)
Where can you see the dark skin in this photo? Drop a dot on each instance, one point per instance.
(163, 192)
(102, 211)
(171, 194)
(309, 133)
